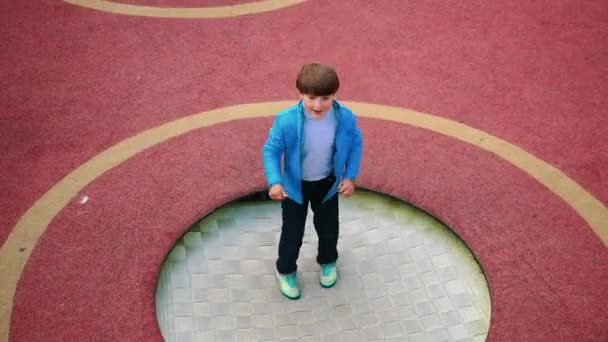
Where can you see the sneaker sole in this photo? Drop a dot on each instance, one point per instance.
(289, 297)
(328, 285)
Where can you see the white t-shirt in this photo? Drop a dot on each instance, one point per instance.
(318, 144)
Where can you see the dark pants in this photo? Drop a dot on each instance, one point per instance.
(325, 222)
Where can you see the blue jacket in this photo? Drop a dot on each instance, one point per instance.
(285, 140)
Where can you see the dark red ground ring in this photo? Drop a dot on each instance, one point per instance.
(184, 3)
(93, 274)
(531, 73)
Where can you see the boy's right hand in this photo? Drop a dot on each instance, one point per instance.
(277, 192)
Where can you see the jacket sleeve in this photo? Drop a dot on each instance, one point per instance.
(354, 158)
(272, 152)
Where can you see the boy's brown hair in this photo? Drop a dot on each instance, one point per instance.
(317, 79)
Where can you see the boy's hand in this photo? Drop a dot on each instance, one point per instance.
(347, 187)
(277, 192)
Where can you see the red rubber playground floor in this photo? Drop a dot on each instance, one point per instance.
(125, 122)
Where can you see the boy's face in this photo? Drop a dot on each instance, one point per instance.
(317, 106)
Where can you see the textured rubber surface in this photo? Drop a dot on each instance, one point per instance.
(77, 81)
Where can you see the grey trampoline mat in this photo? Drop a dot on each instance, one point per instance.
(403, 276)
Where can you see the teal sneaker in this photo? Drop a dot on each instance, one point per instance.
(329, 275)
(288, 284)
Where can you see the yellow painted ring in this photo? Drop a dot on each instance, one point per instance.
(31, 226)
(185, 12)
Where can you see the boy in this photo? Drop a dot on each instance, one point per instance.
(321, 146)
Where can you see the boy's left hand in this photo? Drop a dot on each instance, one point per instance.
(347, 187)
